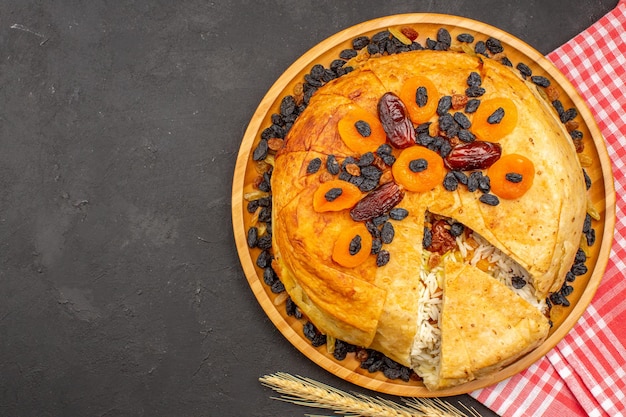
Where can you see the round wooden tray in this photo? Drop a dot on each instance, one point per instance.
(602, 194)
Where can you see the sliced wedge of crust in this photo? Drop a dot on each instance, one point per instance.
(484, 326)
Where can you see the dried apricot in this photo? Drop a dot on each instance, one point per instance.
(361, 131)
(353, 246)
(418, 180)
(494, 119)
(423, 111)
(511, 176)
(335, 195)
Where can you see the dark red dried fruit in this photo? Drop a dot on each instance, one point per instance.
(396, 123)
(473, 155)
(377, 202)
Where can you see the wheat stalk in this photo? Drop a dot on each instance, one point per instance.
(308, 392)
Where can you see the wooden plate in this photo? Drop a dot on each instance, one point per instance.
(602, 194)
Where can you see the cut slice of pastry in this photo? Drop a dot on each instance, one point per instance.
(484, 326)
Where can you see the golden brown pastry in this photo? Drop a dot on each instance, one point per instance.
(538, 227)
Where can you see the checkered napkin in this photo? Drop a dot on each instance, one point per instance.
(585, 374)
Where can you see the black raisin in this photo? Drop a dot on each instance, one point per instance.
(445, 148)
(355, 245)
(277, 287)
(480, 48)
(333, 194)
(264, 259)
(260, 152)
(474, 79)
(446, 121)
(456, 229)
(444, 104)
(373, 49)
(385, 34)
(466, 136)
(357, 180)
(264, 242)
(450, 182)
(269, 276)
(428, 238)
(494, 45)
(591, 237)
(518, 282)
(370, 172)
(387, 233)
(472, 181)
(484, 183)
(341, 350)
(462, 120)
(363, 128)
(443, 36)
(422, 128)
(265, 214)
(377, 245)
(579, 269)
(513, 177)
(382, 258)
(287, 105)
(540, 80)
(489, 199)
(360, 42)
(418, 165)
(380, 220)
(558, 106)
(576, 134)
(332, 165)
(252, 206)
(496, 117)
(384, 149)
(461, 177)
(421, 96)
(581, 257)
(474, 91)
(336, 64)
(524, 69)
(566, 289)
(368, 185)
(253, 235)
(465, 37)
(398, 213)
(506, 62)
(568, 115)
(347, 54)
(372, 228)
(314, 166)
(389, 160)
(569, 277)
(366, 159)
(472, 105)
(313, 82)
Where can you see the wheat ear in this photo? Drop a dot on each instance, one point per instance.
(308, 392)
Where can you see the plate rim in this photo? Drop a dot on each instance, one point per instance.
(277, 90)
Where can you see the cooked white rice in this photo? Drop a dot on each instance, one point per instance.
(426, 349)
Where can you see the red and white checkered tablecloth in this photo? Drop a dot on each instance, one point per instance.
(585, 374)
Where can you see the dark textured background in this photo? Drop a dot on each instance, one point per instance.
(121, 293)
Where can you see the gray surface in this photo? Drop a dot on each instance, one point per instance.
(121, 293)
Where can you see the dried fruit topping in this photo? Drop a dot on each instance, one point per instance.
(393, 115)
(473, 155)
(335, 195)
(377, 202)
(399, 35)
(494, 119)
(353, 246)
(409, 32)
(361, 131)
(511, 176)
(420, 96)
(418, 169)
